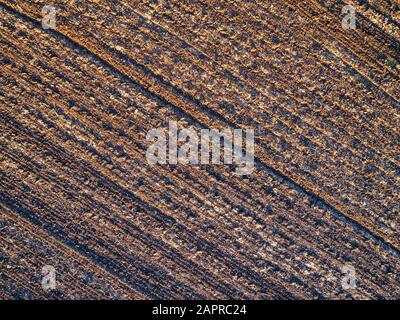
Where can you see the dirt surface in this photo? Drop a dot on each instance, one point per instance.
(77, 192)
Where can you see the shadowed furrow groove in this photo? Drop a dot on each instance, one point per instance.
(80, 195)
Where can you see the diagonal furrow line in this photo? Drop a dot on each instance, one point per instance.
(319, 201)
(31, 216)
(325, 29)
